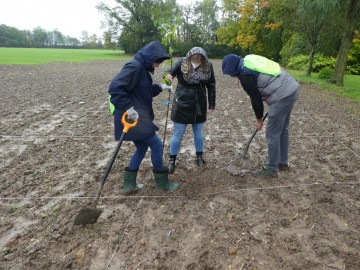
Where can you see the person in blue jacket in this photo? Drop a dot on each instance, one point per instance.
(133, 87)
(264, 80)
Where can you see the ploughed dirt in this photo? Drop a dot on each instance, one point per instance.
(56, 137)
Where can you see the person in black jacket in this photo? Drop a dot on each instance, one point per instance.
(195, 75)
(133, 87)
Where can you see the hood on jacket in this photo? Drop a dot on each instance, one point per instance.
(202, 73)
(232, 65)
(196, 50)
(154, 52)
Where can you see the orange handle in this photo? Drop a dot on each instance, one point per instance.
(127, 125)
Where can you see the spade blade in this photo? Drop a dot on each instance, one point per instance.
(87, 215)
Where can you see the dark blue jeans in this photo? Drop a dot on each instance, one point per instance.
(141, 148)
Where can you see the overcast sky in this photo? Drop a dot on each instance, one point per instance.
(70, 17)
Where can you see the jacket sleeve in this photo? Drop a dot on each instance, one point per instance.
(211, 89)
(156, 89)
(176, 69)
(249, 84)
(120, 87)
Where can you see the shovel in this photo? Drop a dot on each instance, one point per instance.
(89, 215)
(244, 157)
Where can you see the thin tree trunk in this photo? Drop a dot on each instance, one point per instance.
(311, 62)
(341, 60)
(340, 67)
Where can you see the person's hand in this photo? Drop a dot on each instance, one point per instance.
(210, 111)
(169, 77)
(259, 123)
(166, 87)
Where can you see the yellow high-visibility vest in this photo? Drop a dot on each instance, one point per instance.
(111, 106)
(261, 64)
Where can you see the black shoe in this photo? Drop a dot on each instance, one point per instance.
(171, 166)
(283, 167)
(265, 172)
(200, 161)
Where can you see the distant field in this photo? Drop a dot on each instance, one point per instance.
(29, 56)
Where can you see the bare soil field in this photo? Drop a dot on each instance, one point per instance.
(56, 137)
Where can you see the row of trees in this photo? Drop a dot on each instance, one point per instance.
(285, 28)
(40, 38)
(278, 29)
(133, 23)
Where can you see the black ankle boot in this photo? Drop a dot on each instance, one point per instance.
(172, 165)
(200, 159)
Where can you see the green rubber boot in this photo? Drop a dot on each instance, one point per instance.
(130, 186)
(162, 181)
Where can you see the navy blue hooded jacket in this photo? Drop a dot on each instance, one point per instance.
(133, 87)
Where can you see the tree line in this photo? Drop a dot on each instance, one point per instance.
(40, 38)
(306, 34)
(302, 34)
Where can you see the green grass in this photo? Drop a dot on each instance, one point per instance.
(351, 88)
(30, 56)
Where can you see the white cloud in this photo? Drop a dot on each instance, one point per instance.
(70, 17)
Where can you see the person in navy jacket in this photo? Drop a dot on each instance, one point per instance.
(133, 87)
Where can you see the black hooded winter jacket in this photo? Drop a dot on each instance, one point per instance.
(190, 101)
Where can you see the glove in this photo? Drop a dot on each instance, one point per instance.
(166, 87)
(132, 114)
